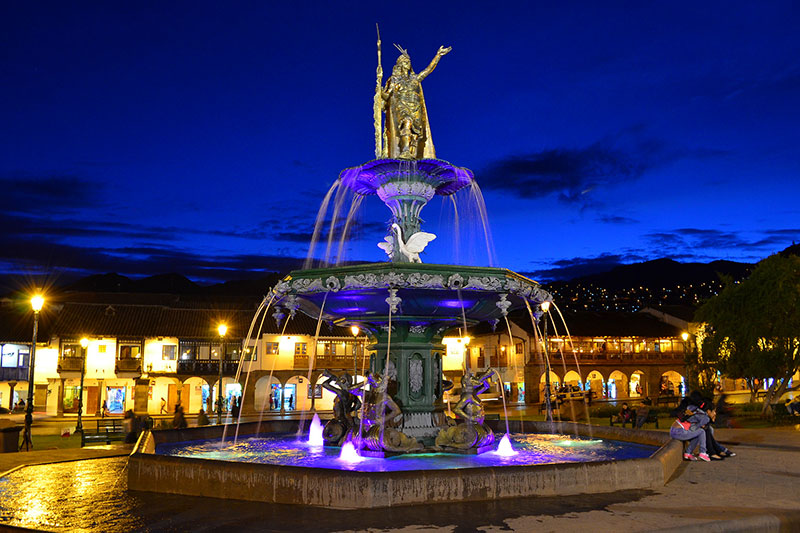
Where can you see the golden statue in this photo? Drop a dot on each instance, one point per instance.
(407, 133)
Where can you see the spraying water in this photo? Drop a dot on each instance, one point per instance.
(315, 432)
(504, 448)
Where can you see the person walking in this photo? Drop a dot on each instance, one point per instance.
(163, 409)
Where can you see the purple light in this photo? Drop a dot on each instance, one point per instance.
(504, 448)
(451, 303)
(315, 432)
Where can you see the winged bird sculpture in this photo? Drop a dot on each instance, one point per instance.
(413, 246)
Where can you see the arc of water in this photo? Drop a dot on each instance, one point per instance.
(464, 321)
(245, 345)
(575, 355)
(354, 207)
(456, 230)
(311, 360)
(564, 369)
(516, 371)
(337, 207)
(487, 235)
(385, 374)
(271, 373)
(543, 367)
(505, 411)
(323, 209)
(261, 307)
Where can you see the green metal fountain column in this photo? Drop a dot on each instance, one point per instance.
(416, 355)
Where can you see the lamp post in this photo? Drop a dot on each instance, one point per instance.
(548, 406)
(355, 330)
(79, 425)
(222, 329)
(36, 304)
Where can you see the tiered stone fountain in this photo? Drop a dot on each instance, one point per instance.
(407, 307)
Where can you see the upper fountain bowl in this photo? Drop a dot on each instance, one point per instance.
(389, 177)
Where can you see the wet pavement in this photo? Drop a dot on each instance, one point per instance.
(754, 491)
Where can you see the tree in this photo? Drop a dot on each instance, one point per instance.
(753, 327)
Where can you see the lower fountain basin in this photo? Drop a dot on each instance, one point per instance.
(345, 488)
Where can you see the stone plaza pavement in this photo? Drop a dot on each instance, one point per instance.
(758, 490)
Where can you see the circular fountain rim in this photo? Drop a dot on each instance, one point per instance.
(446, 178)
(345, 489)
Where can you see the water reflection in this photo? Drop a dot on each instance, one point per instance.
(528, 450)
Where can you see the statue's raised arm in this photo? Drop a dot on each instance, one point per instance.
(407, 131)
(435, 61)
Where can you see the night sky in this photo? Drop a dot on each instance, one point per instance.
(201, 137)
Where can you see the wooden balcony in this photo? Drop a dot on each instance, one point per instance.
(328, 361)
(615, 357)
(70, 364)
(15, 373)
(128, 365)
(206, 367)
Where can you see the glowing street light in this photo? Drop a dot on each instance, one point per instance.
(37, 302)
(222, 329)
(355, 330)
(79, 425)
(548, 406)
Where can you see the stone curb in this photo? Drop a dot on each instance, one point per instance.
(778, 521)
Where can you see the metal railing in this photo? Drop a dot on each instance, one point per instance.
(206, 366)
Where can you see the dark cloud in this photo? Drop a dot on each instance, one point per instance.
(575, 267)
(613, 219)
(688, 240)
(27, 193)
(28, 256)
(573, 173)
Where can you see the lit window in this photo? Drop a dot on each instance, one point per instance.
(168, 352)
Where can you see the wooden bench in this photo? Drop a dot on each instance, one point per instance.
(652, 418)
(107, 430)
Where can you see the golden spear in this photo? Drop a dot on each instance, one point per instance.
(377, 102)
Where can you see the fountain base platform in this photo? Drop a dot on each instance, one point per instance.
(346, 489)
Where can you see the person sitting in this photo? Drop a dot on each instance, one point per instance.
(626, 414)
(179, 421)
(689, 426)
(642, 412)
(716, 450)
(202, 418)
(793, 407)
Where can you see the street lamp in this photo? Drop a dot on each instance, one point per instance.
(548, 406)
(79, 425)
(355, 330)
(222, 329)
(36, 304)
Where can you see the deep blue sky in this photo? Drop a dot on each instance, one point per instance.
(201, 137)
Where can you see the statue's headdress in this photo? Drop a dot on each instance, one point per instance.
(403, 52)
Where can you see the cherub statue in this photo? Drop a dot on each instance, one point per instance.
(345, 406)
(469, 407)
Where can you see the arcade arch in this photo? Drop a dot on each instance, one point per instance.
(267, 394)
(637, 384)
(196, 394)
(166, 388)
(617, 385)
(672, 383)
(594, 383)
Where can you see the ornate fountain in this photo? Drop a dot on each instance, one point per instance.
(408, 306)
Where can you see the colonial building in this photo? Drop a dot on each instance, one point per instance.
(147, 352)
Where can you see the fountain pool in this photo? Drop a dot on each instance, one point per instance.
(528, 450)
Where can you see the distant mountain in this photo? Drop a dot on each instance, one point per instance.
(664, 273)
(111, 282)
